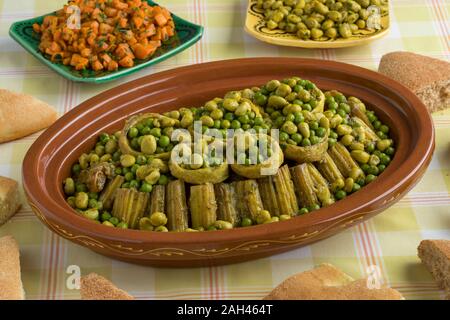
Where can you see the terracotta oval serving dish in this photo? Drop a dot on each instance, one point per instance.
(50, 158)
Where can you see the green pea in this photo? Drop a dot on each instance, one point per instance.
(114, 221)
(370, 178)
(80, 187)
(235, 124)
(303, 210)
(105, 216)
(163, 179)
(385, 159)
(306, 142)
(314, 140)
(76, 169)
(133, 132)
(340, 194)
(134, 184)
(225, 124)
(297, 138)
(260, 99)
(122, 225)
(331, 142)
(390, 151)
(164, 141)
(373, 169)
(283, 136)
(365, 167)
(246, 222)
(356, 187)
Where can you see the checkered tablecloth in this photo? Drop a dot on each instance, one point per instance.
(388, 241)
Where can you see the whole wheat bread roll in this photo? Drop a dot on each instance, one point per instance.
(326, 282)
(96, 287)
(22, 115)
(9, 199)
(10, 278)
(435, 255)
(427, 77)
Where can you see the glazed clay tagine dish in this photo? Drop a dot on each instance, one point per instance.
(49, 160)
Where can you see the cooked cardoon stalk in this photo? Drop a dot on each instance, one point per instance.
(304, 185)
(249, 201)
(226, 203)
(108, 194)
(203, 206)
(329, 170)
(157, 199)
(358, 109)
(278, 194)
(130, 205)
(176, 206)
(368, 132)
(343, 160)
(269, 195)
(320, 186)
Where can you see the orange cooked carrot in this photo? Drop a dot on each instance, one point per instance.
(160, 19)
(96, 65)
(36, 27)
(126, 61)
(137, 21)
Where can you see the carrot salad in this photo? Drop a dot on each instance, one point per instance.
(111, 33)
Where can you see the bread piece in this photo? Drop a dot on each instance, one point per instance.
(435, 255)
(10, 279)
(326, 282)
(427, 77)
(95, 287)
(22, 114)
(9, 199)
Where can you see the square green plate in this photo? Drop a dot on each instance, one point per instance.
(187, 34)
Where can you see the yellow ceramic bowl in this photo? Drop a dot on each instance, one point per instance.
(255, 26)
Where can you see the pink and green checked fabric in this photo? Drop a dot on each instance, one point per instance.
(388, 241)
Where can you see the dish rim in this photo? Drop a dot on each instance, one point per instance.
(311, 44)
(424, 150)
